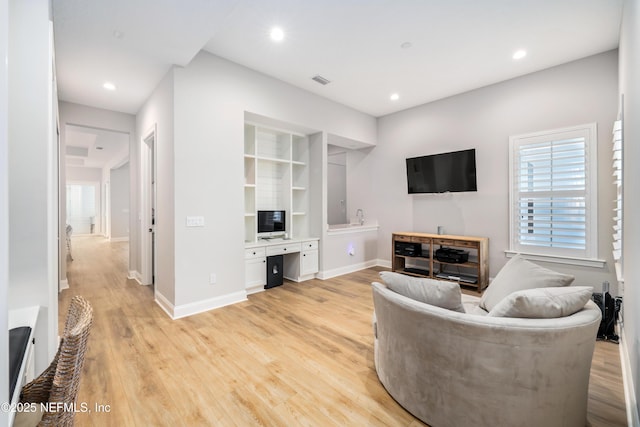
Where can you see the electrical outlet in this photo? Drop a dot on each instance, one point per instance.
(212, 278)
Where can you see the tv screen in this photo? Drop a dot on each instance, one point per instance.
(271, 222)
(442, 173)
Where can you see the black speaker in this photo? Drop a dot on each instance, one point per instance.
(408, 249)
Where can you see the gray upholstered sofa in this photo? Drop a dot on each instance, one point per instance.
(451, 368)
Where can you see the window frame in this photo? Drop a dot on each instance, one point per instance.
(588, 256)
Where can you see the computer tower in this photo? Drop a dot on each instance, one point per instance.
(275, 272)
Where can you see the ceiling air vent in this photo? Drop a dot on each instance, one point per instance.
(320, 79)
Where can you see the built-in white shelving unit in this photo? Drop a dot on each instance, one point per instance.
(276, 177)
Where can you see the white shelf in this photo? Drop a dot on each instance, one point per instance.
(273, 159)
(276, 177)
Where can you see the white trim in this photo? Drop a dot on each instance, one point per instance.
(118, 239)
(5, 417)
(53, 210)
(633, 420)
(618, 267)
(64, 284)
(301, 278)
(164, 304)
(146, 198)
(134, 275)
(255, 289)
(352, 268)
(590, 133)
(385, 263)
(583, 262)
(178, 312)
(349, 229)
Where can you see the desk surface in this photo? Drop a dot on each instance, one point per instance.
(279, 241)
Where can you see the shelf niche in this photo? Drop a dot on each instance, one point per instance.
(276, 178)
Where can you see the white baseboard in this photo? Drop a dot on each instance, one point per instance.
(119, 239)
(177, 312)
(383, 263)
(64, 284)
(255, 289)
(633, 419)
(134, 275)
(164, 303)
(328, 274)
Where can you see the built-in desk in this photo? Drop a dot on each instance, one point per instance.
(24, 317)
(300, 260)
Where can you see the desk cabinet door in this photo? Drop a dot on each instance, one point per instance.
(255, 272)
(309, 262)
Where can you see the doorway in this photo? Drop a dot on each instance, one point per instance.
(337, 188)
(82, 205)
(91, 155)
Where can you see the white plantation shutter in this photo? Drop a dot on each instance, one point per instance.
(553, 192)
(617, 209)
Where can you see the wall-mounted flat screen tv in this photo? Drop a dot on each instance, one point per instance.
(271, 223)
(442, 173)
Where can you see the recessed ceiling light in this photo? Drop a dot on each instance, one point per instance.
(118, 34)
(394, 97)
(406, 45)
(109, 86)
(519, 54)
(277, 34)
(99, 147)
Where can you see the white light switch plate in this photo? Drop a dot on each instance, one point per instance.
(195, 221)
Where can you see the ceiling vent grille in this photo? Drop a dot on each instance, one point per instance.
(320, 79)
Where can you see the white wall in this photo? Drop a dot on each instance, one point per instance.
(211, 98)
(348, 251)
(337, 186)
(33, 210)
(212, 95)
(158, 112)
(78, 174)
(579, 92)
(4, 209)
(630, 88)
(81, 115)
(361, 194)
(119, 186)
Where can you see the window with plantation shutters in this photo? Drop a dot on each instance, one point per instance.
(553, 184)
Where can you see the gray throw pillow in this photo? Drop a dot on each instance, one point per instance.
(434, 292)
(543, 302)
(517, 275)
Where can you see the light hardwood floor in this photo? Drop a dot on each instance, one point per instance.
(298, 354)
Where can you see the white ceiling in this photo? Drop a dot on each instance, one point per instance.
(457, 45)
(95, 148)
